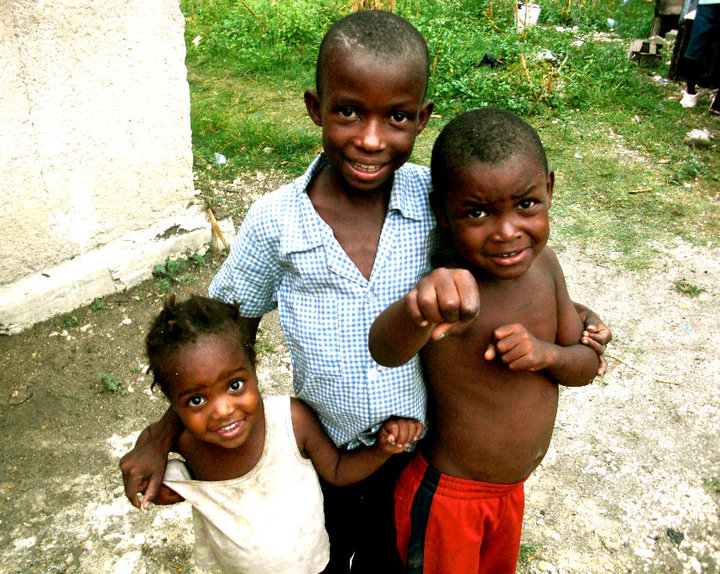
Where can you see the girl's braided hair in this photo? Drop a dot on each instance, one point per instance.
(179, 324)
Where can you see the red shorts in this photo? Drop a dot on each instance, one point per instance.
(446, 524)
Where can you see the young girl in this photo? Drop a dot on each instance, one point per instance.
(248, 471)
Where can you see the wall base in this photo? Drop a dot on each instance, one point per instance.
(109, 269)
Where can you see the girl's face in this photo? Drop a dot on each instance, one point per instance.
(213, 388)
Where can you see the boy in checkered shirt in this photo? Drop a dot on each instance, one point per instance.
(330, 251)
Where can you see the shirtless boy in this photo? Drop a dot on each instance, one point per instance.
(492, 376)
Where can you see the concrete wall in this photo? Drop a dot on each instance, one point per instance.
(95, 152)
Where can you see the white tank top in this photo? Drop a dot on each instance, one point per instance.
(269, 521)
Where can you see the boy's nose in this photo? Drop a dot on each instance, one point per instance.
(371, 137)
(506, 229)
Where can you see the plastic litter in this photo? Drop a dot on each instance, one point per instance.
(220, 160)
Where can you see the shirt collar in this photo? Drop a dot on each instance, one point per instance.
(298, 235)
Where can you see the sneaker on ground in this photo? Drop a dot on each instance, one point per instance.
(715, 106)
(688, 100)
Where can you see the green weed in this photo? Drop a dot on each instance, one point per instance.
(527, 552)
(685, 288)
(110, 384)
(97, 304)
(170, 272)
(713, 484)
(70, 321)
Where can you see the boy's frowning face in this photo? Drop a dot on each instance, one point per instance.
(212, 386)
(370, 110)
(497, 214)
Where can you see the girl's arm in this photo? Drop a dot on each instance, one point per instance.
(346, 467)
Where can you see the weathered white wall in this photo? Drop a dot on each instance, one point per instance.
(94, 146)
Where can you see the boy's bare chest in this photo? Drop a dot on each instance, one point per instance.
(530, 301)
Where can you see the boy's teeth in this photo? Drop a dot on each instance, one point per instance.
(365, 168)
(229, 427)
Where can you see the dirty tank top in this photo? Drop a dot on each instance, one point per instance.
(269, 521)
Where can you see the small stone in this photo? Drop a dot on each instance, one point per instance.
(698, 138)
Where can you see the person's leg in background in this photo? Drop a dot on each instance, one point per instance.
(705, 29)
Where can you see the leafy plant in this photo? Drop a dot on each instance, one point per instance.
(70, 321)
(110, 384)
(97, 304)
(168, 273)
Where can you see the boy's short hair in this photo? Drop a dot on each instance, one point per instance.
(488, 135)
(179, 324)
(378, 33)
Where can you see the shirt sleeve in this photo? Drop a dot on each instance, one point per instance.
(251, 272)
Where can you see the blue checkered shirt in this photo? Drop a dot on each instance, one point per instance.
(285, 256)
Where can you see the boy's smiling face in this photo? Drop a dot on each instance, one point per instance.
(370, 110)
(497, 214)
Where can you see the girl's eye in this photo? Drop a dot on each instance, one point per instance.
(236, 385)
(527, 203)
(196, 401)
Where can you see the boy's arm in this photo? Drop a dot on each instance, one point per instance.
(444, 302)
(143, 468)
(567, 361)
(347, 467)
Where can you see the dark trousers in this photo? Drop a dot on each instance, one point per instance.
(705, 32)
(361, 524)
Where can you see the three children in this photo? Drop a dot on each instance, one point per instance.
(331, 250)
(514, 338)
(248, 471)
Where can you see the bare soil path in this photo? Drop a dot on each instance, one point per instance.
(631, 483)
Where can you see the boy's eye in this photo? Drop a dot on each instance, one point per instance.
(236, 385)
(527, 203)
(196, 401)
(476, 213)
(399, 117)
(347, 113)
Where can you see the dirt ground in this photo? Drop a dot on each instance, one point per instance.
(631, 482)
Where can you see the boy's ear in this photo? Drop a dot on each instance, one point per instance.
(550, 186)
(424, 116)
(438, 207)
(312, 104)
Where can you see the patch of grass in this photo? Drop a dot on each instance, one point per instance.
(70, 321)
(97, 304)
(713, 484)
(685, 288)
(527, 552)
(614, 134)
